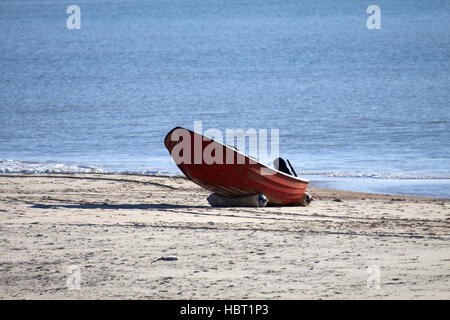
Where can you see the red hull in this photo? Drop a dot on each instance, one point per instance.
(238, 174)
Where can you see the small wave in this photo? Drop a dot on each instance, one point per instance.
(392, 176)
(32, 167)
(145, 172)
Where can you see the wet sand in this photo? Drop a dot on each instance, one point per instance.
(156, 237)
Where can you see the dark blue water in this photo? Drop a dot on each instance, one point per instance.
(356, 108)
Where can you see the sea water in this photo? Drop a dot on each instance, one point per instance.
(356, 108)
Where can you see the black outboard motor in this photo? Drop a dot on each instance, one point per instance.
(281, 165)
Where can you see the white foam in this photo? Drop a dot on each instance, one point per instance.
(30, 167)
(373, 175)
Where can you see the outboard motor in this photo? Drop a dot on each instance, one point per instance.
(281, 165)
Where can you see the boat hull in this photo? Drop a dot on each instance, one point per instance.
(226, 171)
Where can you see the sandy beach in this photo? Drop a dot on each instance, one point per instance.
(156, 237)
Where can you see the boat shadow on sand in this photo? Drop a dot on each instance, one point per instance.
(149, 206)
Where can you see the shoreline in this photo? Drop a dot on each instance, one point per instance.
(324, 193)
(116, 228)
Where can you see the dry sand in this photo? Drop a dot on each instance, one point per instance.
(115, 228)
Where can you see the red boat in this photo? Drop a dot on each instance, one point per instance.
(228, 172)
